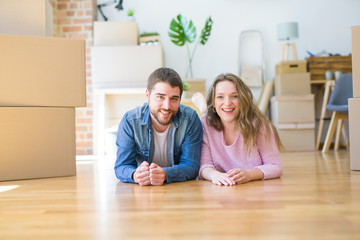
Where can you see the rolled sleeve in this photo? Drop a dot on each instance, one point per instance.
(206, 159)
(125, 163)
(270, 156)
(189, 164)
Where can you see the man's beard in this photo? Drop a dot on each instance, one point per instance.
(156, 112)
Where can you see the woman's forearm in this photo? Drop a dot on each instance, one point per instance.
(207, 172)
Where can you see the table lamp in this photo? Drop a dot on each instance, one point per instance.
(286, 32)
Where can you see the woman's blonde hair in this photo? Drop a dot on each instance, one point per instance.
(251, 122)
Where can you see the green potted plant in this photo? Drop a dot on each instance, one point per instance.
(147, 37)
(130, 15)
(185, 88)
(183, 32)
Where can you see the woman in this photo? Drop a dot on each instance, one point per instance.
(240, 144)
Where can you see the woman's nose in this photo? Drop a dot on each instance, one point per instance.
(227, 100)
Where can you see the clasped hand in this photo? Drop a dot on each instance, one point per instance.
(147, 174)
(232, 177)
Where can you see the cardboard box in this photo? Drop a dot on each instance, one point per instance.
(115, 33)
(292, 84)
(355, 45)
(26, 17)
(292, 109)
(124, 66)
(291, 67)
(41, 71)
(297, 139)
(354, 132)
(36, 142)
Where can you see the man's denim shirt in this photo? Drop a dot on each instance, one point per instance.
(135, 144)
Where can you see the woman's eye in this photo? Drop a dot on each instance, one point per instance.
(219, 97)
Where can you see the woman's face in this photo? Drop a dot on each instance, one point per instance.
(227, 102)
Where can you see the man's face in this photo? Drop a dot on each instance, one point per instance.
(164, 102)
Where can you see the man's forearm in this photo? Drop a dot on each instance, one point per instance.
(181, 173)
(125, 173)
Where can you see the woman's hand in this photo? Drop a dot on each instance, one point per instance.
(219, 178)
(216, 177)
(243, 176)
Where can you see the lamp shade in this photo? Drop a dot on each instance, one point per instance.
(287, 31)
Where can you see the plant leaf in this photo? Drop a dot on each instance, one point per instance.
(182, 30)
(206, 31)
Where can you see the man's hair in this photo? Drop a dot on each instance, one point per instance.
(166, 75)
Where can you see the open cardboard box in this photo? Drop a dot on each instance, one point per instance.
(294, 66)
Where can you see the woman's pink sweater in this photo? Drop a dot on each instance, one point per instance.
(216, 154)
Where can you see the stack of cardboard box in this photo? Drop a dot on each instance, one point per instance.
(354, 103)
(42, 81)
(292, 107)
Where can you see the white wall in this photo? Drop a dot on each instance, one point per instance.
(323, 25)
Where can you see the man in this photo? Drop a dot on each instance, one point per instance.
(159, 142)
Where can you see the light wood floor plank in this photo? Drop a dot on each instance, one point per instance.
(318, 197)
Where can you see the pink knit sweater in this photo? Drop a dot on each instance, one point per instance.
(223, 158)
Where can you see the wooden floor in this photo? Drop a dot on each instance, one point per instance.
(318, 197)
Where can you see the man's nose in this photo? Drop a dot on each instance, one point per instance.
(166, 104)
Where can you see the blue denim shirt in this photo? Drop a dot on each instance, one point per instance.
(135, 144)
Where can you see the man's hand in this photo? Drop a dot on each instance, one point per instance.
(157, 175)
(142, 174)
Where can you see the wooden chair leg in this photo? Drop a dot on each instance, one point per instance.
(338, 134)
(330, 133)
(326, 96)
